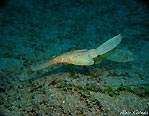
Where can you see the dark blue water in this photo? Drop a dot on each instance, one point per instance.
(35, 31)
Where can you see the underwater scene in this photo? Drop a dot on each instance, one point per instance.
(74, 58)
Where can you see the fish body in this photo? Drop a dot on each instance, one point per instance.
(77, 57)
(84, 57)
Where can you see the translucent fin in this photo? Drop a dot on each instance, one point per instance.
(109, 45)
(118, 55)
(41, 66)
(97, 60)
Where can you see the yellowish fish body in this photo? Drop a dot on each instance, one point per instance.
(76, 57)
(81, 57)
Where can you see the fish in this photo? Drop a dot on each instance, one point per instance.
(86, 57)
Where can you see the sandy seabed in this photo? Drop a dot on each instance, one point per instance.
(32, 32)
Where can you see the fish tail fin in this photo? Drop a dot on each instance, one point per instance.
(109, 45)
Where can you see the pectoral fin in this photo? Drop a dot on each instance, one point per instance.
(118, 55)
(97, 60)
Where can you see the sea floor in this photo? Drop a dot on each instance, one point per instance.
(33, 32)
